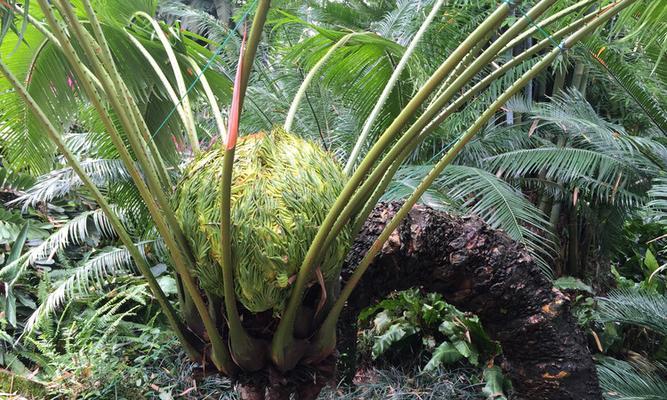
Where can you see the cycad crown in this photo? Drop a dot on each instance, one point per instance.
(282, 186)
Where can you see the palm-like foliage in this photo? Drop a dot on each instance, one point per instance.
(43, 69)
(129, 105)
(658, 195)
(642, 309)
(473, 190)
(611, 62)
(624, 381)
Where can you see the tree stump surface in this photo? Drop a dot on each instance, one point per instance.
(481, 270)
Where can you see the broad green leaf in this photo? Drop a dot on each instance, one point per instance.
(467, 351)
(572, 283)
(650, 261)
(494, 383)
(382, 321)
(10, 305)
(446, 353)
(394, 334)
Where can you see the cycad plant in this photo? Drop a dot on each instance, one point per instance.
(257, 228)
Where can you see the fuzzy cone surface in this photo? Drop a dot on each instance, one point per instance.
(282, 188)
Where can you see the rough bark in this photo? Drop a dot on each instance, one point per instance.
(485, 272)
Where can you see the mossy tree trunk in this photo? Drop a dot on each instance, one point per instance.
(482, 271)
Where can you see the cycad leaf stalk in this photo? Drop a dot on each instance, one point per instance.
(180, 82)
(283, 338)
(294, 107)
(368, 125)
(325, 341)
(367, 188)
(246, 351)
(220, 354)
(123, 235)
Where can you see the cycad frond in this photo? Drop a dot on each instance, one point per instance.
(76, 231)
(42, 68)
(64, 181)
(570, 114)
(93, 274)
(621, 381)
(495, 201)
(658, 194)
(613, 63)
(636, 308)
(402, 22)
(357, 72)
(562, 164)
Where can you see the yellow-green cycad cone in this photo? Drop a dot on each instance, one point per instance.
(282, 188)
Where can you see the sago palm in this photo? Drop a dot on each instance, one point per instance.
(257, 228)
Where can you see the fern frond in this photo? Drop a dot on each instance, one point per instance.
(75, 231)
(635, 308)
(92, 274)
(62, 182)
(496, 202)
(620, 380)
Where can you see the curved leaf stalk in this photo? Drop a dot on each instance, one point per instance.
(220, 354)
(146, 139)
(180, 82)
(135, 127)
(368, 187)
(210, 96)
(134, 124)
(161, 76)
(246, 351)
(477, 88)
(465, 63)
(283, 337)
(143, 140)
(124, 237)
(326, 336)
(179, 249)
(546, 22)
(291, 114)
(119, 92)
(255, 36)
(372, 201)
(137, 117)
(368, 125)
(487, 80)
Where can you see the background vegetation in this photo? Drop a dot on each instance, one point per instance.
(574, 168)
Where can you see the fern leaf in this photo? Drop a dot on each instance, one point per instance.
(92, 274)
(636, 308)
